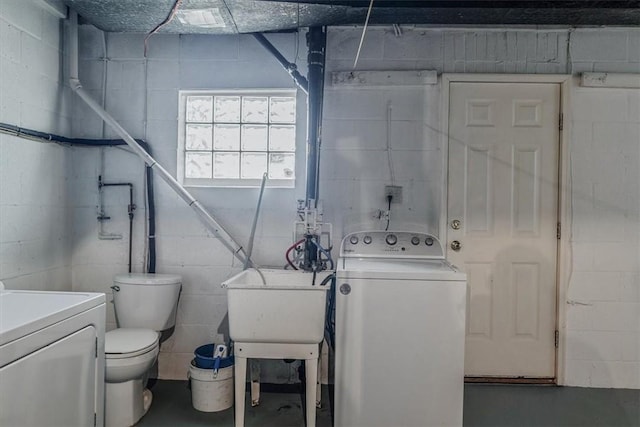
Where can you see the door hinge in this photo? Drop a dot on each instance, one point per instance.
(558, 231)
(556, 339)
(561, 122)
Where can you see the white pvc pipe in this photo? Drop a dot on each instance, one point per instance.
(210, 223)
(73, 47)
(255, 222)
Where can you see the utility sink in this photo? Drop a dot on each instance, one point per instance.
(288, 309)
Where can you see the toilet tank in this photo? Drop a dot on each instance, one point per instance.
(147, 301)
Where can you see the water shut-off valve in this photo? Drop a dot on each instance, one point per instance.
(309, 231)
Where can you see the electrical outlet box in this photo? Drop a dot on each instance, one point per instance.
(395, 191)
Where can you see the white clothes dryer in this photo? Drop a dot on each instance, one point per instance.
(400, 332)
(51, 358)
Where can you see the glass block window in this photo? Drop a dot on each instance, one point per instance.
(232, 138)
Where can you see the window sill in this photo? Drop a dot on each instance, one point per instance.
(238, 183)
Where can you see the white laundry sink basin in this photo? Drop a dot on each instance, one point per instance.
(287, 309)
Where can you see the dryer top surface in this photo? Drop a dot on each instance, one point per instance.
(24, 312)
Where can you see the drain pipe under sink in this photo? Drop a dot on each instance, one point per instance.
(210, 223)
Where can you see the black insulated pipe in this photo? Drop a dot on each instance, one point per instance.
(290, 67)
(314, 88)
(310, 260)
(316, 43)
(33, 134)
(151, 214)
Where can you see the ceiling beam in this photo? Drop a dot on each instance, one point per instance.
(513, 4)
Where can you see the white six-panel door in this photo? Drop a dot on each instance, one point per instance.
(502, 223)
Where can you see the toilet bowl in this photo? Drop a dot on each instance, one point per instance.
(145, 305)
(129, 354)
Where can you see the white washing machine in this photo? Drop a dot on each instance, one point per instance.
(400, 332)
(51, 359)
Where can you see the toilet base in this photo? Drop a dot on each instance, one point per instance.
(126, 403)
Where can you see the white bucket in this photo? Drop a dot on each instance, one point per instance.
(210, 392)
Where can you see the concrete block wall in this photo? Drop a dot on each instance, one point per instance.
(359, 121)
(143, 95)
(35, 226)
(603, 313)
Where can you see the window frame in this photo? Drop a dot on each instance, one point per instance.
(231, 182)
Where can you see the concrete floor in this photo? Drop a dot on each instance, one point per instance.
(171, 406)
(485, 405)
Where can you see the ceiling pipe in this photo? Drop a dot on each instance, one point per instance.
(290, 67)
(313, 86)
(210, 223)
(316, 43)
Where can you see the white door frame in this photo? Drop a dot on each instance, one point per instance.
(564, 182)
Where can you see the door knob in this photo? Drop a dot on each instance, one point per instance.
(456, 245)
(455, 224)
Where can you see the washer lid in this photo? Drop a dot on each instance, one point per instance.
(380, 268)
(129, 341)
(147, 279)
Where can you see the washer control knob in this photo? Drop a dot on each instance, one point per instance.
(415, 240)
(353, 240)
(391, 239)
(367, 240)
(429, 241)
(345, 289)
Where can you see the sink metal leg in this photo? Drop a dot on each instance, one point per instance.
(306, 352)
(319, 387)
(254, 377)
(311, 370)
(240, 371)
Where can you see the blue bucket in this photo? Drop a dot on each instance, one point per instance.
(204, 358)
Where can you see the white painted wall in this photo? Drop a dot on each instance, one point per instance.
(603, 314)
(35, 226)
(143, 95)
(603, 317)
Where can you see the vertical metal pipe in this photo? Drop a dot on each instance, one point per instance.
(130, 210)
(316, 43)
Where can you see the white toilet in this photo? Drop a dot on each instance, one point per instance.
(145, 305)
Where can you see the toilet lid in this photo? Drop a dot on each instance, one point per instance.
(147, 279)
(129, 341)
